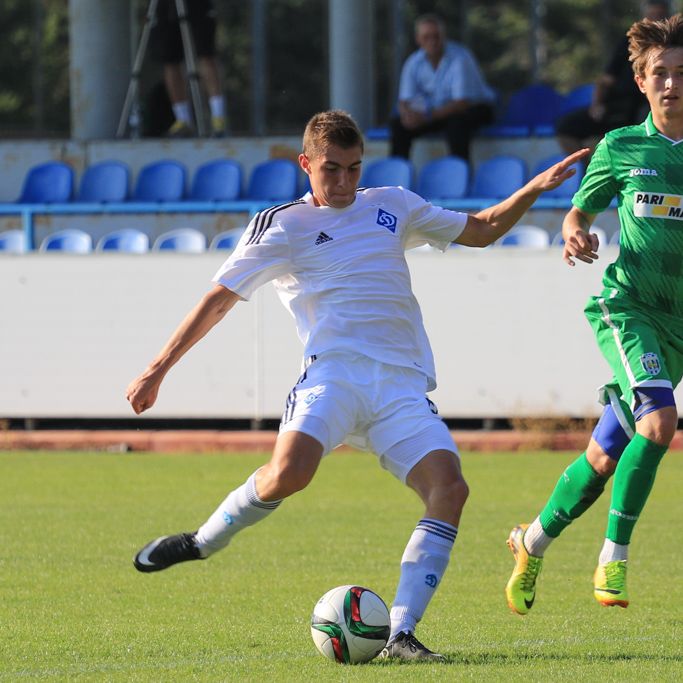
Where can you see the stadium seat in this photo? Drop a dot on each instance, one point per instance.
(614, 239)
(50, 182)
(558, 241)
(69, 240)
(499, 177)
(160, 181)
(106, 181)
(274, 180)
(13, 242)
(529, 236)
(444, 178)
(578, 98)
(186, 240)
(532, 110)
(227, 239)
(391, 171)
(568, 187)
(126, 240)
(219, 180)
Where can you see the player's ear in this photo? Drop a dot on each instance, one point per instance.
(305, 163)
(639, 82)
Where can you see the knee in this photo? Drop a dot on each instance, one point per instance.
(603, 464)
(451, 495)
(659, 426)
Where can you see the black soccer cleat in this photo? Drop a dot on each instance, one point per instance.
(407, 646)
(166, 551)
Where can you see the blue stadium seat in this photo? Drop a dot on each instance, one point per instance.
(126, 240)
(219, 180)
(161, 181)
(530, 236)
(569, 186)
(444, 178)
(578, 98)
(532, 110)
(614, 239)
(273, 180)
(186, 240)
(69, 240)
(106, 181)
(391, 171)
(499, 177)
(50, 182)
(227, 239)
(13, 242)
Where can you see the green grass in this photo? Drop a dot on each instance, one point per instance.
(73, 608)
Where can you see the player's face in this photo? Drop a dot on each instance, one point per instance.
(334, 175)
(662, 83)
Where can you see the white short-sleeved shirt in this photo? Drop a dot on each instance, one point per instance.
(342, 273)
(457, 77)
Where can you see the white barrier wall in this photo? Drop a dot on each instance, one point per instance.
(506, 326)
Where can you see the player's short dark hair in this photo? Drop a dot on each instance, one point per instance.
(334, 127)
(646, 38)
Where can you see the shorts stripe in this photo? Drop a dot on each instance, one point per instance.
(290, 404)
(617, 339)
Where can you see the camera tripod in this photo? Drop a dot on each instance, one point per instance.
(130, 115)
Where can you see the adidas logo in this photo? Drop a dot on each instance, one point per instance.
(322, 238)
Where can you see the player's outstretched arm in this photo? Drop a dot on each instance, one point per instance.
(211, 309)
(578, 242)
(486, 226)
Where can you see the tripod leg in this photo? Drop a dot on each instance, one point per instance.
(133, 86)
(191, 68)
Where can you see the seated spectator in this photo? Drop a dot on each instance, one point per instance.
(441, 90)
(617, 101)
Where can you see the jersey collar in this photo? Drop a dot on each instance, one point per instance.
(650, 127)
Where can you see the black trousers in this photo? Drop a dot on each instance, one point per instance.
(458, 130)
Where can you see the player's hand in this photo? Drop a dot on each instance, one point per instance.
(555, 175)
(142, 392)
(582, 246)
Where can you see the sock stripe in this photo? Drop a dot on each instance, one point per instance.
(441, 529)
(254, 500)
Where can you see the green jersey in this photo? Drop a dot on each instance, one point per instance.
(643, 169)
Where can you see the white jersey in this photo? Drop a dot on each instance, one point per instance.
(342, 273)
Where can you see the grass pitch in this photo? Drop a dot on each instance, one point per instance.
(73, 608)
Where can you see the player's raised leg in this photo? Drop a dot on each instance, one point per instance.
(438, 481)
(294, 462)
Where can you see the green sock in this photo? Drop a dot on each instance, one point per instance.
(577, 489)
(633, 480)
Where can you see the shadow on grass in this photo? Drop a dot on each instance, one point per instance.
(498, 658)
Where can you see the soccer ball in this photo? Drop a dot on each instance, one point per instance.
(350, 624)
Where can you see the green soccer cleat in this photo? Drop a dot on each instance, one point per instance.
(521, 588)
(609, 584)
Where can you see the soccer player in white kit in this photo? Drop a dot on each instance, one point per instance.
(337, 259)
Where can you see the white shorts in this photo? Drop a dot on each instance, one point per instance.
(353, 399)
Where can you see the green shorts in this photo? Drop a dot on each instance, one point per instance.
(644, 347)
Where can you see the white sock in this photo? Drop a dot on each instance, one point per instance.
(423, 565)
(612, 552)
(217, 105)
(181, 110)
(240, 509)
(536, 541)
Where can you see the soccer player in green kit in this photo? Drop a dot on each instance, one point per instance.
(637, 320)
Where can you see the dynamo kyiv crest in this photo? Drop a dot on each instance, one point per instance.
(650, 363)
(386, 220)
